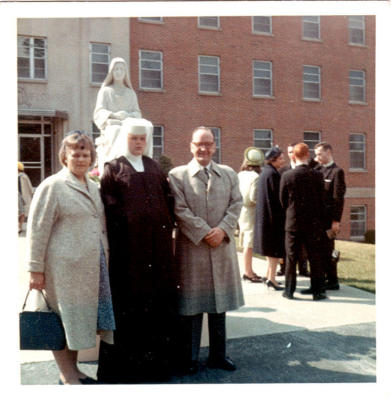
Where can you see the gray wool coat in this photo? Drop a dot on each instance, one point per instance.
(65, 227)
(209, 278)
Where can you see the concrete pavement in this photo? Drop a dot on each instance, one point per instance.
(271, 339)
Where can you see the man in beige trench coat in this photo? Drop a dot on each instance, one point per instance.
(207, 206)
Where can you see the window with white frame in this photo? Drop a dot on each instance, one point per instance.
(99, 61)
(357, 151)
(209, 74)
(157, 142)
(150, 69)
(262, 78)
(311, 82)
(357, 222)
(311, 27)
(32, 62)
(356, 29)
(262, 139)
(311, 139)
(217, 137)
(151, 19)
(209, 22)
(262, 25)
(357, 80)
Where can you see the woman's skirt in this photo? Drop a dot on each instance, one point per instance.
(105, 319)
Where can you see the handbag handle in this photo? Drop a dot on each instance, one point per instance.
(43, 295)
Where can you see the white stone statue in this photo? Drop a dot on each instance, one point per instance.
(116, 103)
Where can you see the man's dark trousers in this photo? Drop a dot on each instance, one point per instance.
(313, 245)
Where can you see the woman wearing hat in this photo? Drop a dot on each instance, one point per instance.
(270, 216)
(25, 195)
(248, 175)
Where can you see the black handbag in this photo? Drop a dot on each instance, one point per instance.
(40, 330)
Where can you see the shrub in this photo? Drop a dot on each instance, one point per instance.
(165, 163)
(370, 236)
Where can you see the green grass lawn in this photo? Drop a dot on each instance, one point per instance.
(356, 266)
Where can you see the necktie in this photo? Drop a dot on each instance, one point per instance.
(207, 173)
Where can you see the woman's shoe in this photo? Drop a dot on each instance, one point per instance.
(271, 284)
(254, 279)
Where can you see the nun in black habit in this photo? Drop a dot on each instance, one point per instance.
(139, 213)
(270, 216)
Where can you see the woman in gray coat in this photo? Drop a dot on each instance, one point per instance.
(67, 252)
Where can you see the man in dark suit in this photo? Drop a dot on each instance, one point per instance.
(302, 260)
(334, 190)
(301, 195)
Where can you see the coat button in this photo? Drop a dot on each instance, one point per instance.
(163, 226)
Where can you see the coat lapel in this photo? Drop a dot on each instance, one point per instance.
(74, 183)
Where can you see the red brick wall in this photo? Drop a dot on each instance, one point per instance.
(180, 108)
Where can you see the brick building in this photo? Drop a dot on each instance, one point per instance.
(264, 81)
(255, 80)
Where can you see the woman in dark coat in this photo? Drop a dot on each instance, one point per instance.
(270, 217)
(139, 215)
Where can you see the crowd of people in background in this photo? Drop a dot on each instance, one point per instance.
(297, 216)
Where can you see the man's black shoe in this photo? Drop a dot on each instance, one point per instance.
(332, 286)
(288, 295)
(319, 296)
(304, 273)
(307, 291)
(280, 272)
(224, 363)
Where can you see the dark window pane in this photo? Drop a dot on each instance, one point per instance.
(30, 128)
(34, 174)
(47, 156)
(30, 149)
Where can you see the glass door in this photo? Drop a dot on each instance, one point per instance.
(35, 148)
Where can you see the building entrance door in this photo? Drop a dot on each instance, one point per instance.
(36, 147)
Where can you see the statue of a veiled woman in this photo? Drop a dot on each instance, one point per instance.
(117, 102)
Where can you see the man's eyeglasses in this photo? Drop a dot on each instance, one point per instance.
(207, 145)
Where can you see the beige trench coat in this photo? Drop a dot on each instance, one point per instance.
(209, 278)
(64, 231)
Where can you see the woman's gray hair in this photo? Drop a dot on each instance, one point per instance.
(77, 139)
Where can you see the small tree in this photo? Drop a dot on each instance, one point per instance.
(165, 163)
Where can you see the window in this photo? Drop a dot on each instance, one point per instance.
(311, 139)
(217, 137)
(262, 78)
(99, 61)
(311, 82)
(31, 57)
(357, 151)
(357, 82)
(262, 25)
(357, 222)
(157, 142)
(150, 67)
(262, 139)
(209, 22)
(151, 19)
(356, 29)
(311, 27)
(209, 74)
